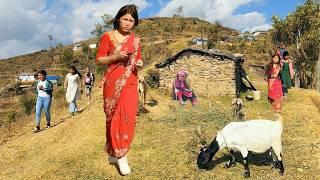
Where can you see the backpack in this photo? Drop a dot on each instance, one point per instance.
(88, 79)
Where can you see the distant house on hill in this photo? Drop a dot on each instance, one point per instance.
(93, 46)
(200, 41)
(246, 37)
(26, 78)
(210, 73)
(77, 46)
(257, 33)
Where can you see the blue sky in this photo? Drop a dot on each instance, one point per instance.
(271, 7)
(27, 29)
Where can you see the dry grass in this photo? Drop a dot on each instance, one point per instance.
(166, 142)
(316, 101)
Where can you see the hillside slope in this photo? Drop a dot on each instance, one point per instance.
(165, 144)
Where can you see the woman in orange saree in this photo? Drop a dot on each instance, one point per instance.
(120, 50)
(274, 83)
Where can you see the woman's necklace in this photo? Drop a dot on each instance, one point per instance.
(119, 37)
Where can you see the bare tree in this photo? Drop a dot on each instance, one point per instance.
(106, 25)
(179, 11)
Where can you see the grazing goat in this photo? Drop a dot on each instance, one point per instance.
(142, 89)
(237, 105)
(255, 135)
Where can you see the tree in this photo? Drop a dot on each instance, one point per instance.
(213, 36)
(106, 25)
(179, 12)
(67, 57)
(300, 32)
(59, 50)
(85, 50)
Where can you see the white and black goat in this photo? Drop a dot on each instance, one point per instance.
(256, 136)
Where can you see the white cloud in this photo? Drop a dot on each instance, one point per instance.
(26, 24)
(244, 22)
(218, 10)
(263, 27)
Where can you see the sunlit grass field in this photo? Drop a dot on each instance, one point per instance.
(166, 142)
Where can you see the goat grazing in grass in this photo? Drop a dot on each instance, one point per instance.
(142, 90)
(257, 136)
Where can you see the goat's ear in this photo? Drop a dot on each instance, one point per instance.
(203, 148)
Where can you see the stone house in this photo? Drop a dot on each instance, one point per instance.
(210, 73)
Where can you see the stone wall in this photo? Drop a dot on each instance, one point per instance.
(207, 76)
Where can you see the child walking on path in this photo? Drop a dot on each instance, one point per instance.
(88, 83)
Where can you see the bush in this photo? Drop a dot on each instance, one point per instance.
(67, 57)
(153, 78)
(11, 116)
(59, 93)
(59, 98)
(100, 69)
(28, 103)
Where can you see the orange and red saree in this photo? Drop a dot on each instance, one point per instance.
(120, 93)
(274, 88)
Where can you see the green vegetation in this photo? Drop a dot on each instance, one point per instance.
(152, 78)
(300, 31)
(28, 102)
(67, 57)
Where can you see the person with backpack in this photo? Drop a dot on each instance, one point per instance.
(88, 83)
(44, 89)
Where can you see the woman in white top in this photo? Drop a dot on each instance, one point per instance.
(72, 84)
(44, 90)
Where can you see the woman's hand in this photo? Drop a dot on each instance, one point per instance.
(139, 63)
(123, 56)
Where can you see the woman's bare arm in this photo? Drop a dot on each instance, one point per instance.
(112, 58)
(65, 82)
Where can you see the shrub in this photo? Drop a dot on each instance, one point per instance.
(100, 69)
(28, 102)
(67, 57)
(152, 78)
(59, 93)
(59, 98)
(11, 116)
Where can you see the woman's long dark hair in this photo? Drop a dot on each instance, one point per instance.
(270, 65)
(275, 56)
(127, 9)
(75, 71)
